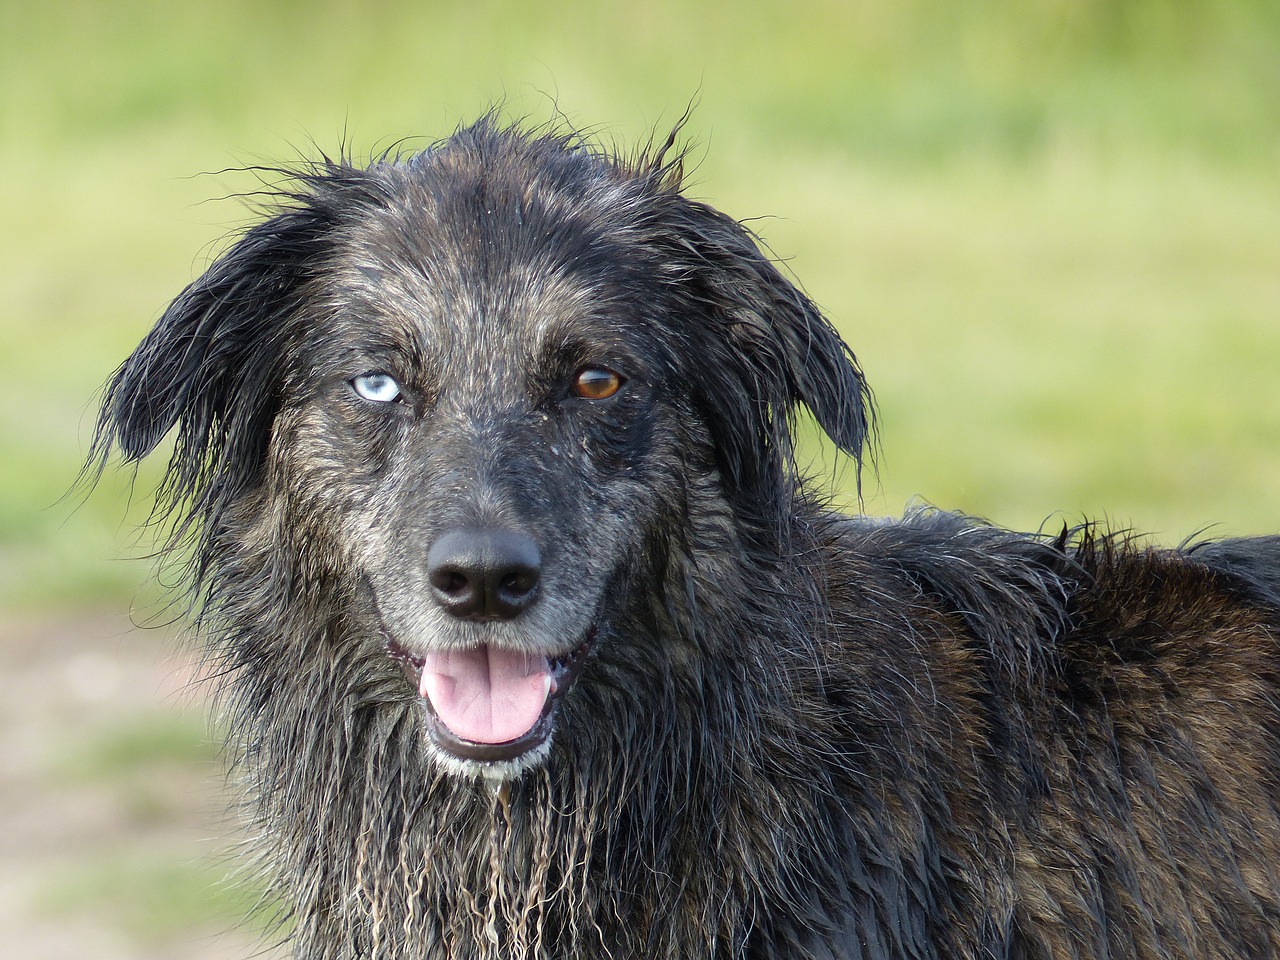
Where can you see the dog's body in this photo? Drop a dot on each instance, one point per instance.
(535, 645)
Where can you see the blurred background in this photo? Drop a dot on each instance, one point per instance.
(1049, 228)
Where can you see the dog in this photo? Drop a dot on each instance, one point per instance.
(533, 642)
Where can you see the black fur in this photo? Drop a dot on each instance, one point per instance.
(794, 734)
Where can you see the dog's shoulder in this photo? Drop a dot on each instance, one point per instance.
(954, 557)
(1083, 595)
(955, 583)
(991, 577)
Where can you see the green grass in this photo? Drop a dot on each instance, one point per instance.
(1048, 228)
(154, 898)
(1032, 352)
(141, 750)
(144, 872)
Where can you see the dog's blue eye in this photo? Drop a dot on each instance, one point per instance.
(376, 387)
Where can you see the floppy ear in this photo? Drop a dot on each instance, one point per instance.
(762, 349)
(210, 365)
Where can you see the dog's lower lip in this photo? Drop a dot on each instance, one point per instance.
(565, 669)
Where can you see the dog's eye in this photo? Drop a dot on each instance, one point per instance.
(596, 383)
(376, 387)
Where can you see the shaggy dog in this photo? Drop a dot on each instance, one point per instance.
(533, 642)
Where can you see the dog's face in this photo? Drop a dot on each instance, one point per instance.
(477, 390)
(482, 418)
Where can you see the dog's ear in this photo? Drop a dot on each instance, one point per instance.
(762, 347)
(210, 365)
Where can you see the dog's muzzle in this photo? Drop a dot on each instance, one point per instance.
(489, 702)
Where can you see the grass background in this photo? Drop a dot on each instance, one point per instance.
(1049, 228)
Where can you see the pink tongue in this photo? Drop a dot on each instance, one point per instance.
(486, 695)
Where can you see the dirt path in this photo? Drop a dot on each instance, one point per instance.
(111, 800)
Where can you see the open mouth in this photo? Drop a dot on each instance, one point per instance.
(489, 703)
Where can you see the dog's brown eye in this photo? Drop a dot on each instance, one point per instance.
(596, 383)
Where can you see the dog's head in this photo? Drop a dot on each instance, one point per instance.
(474, 387)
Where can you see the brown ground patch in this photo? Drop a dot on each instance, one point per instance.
(115, 837)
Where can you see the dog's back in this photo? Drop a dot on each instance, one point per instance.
(1159, 834)
(1092, 754)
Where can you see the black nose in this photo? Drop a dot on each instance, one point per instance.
(484, 574)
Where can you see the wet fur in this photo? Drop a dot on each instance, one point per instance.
(800, 735)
